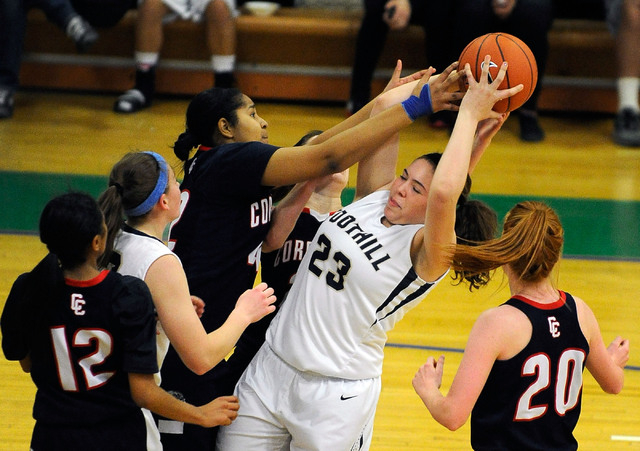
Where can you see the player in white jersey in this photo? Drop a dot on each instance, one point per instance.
(144, 188)
(316, 381)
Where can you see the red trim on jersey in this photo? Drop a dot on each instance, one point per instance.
(87, 283)
(308, 211)
(204, 148)
(554, 305)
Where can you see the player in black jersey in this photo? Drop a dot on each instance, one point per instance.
(521, 374)
(87, 336)
(227, 207)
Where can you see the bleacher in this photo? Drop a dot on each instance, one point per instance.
(300, 54)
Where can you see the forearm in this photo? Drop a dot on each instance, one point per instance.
(440, 409)
(365, 138)
(285, 215)
(454, 164)
(223, 339)
(147, 394)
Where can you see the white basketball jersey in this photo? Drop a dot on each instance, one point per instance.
(354, 284)
(137, 252)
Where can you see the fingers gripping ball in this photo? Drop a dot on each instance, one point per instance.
(503, 47)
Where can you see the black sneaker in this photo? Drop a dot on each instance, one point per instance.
(6, 104)
(224, 80)
(626, 130)
(82, 33)
(530, 130)
(131, 101)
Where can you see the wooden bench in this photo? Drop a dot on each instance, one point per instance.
(299, 54)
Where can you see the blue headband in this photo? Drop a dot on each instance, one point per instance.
(157, 192)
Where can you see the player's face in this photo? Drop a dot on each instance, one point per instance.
(173, 195)
(250, 126)
(407, 202)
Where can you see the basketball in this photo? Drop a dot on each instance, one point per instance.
(503, 47)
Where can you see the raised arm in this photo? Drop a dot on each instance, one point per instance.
(365, 112)
(290, 165)
(430, 258)
(378, 169)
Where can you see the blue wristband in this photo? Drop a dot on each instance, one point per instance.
(419, 106)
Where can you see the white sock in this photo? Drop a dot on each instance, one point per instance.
(628, 93)
(223, 63)
(145, 60)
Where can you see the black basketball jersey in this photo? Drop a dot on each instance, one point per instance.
(91, 335)
(225, 218)
(532, 401)
(279, 267)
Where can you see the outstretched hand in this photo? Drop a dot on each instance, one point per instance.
(445, 94)
(487, 129)
(396, 80)
(482, 95)
(256, 303)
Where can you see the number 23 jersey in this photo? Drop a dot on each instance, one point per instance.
(354, 284)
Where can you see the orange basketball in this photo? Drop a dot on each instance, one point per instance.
(503, 47)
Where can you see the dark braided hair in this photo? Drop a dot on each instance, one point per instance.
(203, 114)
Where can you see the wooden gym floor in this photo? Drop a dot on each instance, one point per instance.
(57, 141)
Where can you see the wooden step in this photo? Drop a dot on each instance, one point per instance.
(300, 54)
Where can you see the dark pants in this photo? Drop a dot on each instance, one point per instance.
(433, 16)
(530, 21)
(449, 26)
(13, 21)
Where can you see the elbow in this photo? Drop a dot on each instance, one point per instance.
(443, 193)
(614, 389)
(140, 400)
(451, 418)
(199, 367)
(199, 371)
(453, 424)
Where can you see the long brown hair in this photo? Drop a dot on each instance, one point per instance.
(531, 244)
(131, 181)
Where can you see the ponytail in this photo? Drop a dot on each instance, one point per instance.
(203, 115)
(476, 222)
(110, 202)
(531, 244)
(136, 183)
(183, 146)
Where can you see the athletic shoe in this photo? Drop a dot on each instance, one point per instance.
(626, 130)
(131, 101)
(224, 80)
(6, 104)
(82, 33)
(530, 130)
